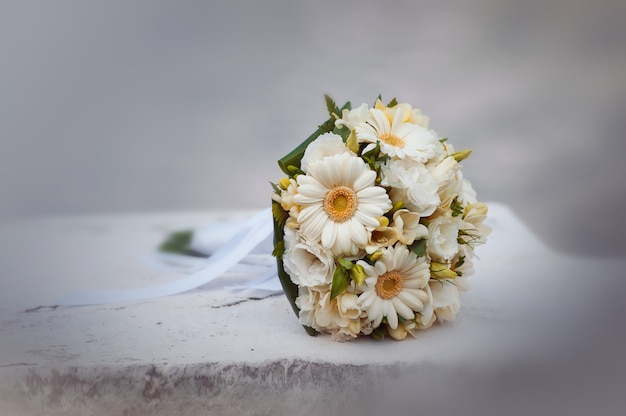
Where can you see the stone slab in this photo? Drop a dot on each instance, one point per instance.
(530, 315)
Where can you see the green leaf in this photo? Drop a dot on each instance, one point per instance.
(341, 281)
(179, 242)
(370, 156)
(419, 247)
(343, 132)
(346, 264)
(443, 140)
(279, 214)
(276, 188)
(327, 126)
(392, 103)
(279, 249)
(460, 262)
(294, 157)
(456, 207)
(289, 287)
(331, 106)
(379, 333)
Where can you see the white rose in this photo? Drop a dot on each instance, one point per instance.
(468, 194)
(325, 145)
(340, 317)
(412, 184)
(473, 217)
(442, 238)
(448, 182)
(446, 299)
(307, 263)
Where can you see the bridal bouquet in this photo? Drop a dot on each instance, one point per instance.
(374, 224)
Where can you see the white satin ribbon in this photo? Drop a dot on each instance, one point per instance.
(250, 235)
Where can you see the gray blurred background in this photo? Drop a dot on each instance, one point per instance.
(122, 106)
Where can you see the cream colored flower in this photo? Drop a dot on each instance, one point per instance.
(351, 118)
(306, 262)
(442, 242)
(467, 194)
(409, 114)
(475, 231)
(448, 181)
(286, 198)
(466, 266)
(340, 203)
(340, 317)
(412, 184)
(394, 286)
(325, 145)
(408, 227)
(401, 331)
(381, 237)
(426, 318)
(397, 138)
(446, 298)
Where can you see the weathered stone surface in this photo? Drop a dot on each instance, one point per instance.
(533, 319)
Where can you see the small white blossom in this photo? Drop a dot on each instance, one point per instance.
(412, 184)
(442, 238)
(325, 145)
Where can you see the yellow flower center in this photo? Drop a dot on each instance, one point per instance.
(388, 285)
(392, 139)
(340, 203)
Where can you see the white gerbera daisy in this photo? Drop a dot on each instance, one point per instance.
(397, 138)
(395, 286)
(340, 203)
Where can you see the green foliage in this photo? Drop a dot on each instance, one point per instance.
(179, 242)
(276, 188)
(294, 157)
(341, 281)
(294, 171)
(419, 247)
(331, 106)
(279, 250)
(371, 155)
(279, 214)
(289, 287)
(460, 262)
(346, 264)
(380, 333)
(327, 126)
(392, 103)
(456, 207)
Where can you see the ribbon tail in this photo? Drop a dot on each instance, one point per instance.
(257, 229)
